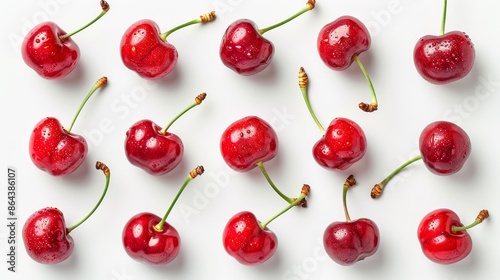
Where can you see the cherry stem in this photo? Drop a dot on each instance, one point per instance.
(309, 6)
(483, 215)
(105, 169)
(197, 101)
(378, 188)
(101, 82)
(193, 174)
(303, 83)
(304, 192)
(201, 19)
(263, 169)
(105, 9)
(374, 103)
(349, 182)
(443, 21)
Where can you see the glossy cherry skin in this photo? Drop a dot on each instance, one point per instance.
(341, 39)
(144, 243)
(437, 240)
(44, 51)
(445, 147)
(444, 59)
(349, 242)
(244, 50)
(246, 241)
(343, 144)
(247, 141)
(148, 148)
(46, 238)
(55, 150)
(143, 50)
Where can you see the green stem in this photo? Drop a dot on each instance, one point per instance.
(349, 182)
(483, 214)
(374, 103)
(193, 174)
(309, 6)
(197, 101)
(378, 188)
(303, 83)
(101, 82)
(443, 21)
(105, 169)
(105, 9)
(302, 196)
(286, 198)
(201, 19)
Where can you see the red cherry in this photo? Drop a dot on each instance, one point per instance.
(353, 240)
(45, 235)
(150, 239)
(342, 144)
(57, 150)
(154, 149)
(444, 149)
(444, 58)
(443, 238)
(244, 50)
(340, 42)
(50, 51)
(145, 50)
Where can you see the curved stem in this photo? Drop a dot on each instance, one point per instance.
(303, 83)
(105, 9)
(483, 214)
(304, 192)
(378, 188)
(286, 198)
(99, 166)
(101, 82)
(443, 21)
(309, 6)
(201, 19)
(193, 174)
(197, 101)
(349, 182)
(373, 106)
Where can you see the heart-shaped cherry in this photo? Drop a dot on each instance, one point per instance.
(45, 235)
(150, 239)
(50, 51)
(339, 43)
(153, 148)
(248, 240)
(145, 50)
(343, 143)
(353, 240)
(444, 149)
(243, 48)
(57, 150)
(444, 58)
(443, 238)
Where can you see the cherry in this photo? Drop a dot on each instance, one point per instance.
(154, 149)
(145, 50)
(443, 238)
(353, 240)
(339, 43)
(150, 239)
(243, 48)
(342, 144)
(248, 240)
(248, 143)
(444, 58)
(55, 149)
(45, 235)
(444, 149)
(50, 51)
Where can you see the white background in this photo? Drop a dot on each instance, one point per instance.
(406, 104)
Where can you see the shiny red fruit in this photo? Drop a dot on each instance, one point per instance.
(246, 241)
(55, 150)
(247, 141)
(445, 58)
(45, 236)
